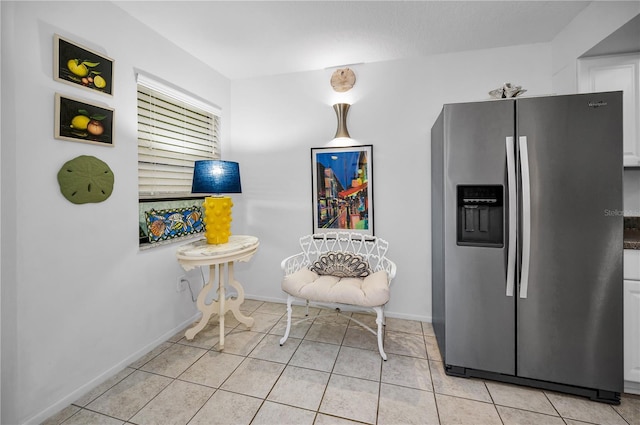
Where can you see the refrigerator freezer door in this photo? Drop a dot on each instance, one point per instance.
(480, 318)
(570, 325)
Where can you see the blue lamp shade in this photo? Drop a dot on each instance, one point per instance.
(215, 176)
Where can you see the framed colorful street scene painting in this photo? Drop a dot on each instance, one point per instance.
(79, 121)
(81, 67)
(342, 187)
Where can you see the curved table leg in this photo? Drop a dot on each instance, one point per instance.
(234, 304)
(222, 305)
(222, 308)
(207, 309)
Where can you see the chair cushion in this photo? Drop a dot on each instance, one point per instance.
(370, 291)
(341, 264)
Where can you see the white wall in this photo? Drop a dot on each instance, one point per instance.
(596, 22)
(79, 300)
(276, 120)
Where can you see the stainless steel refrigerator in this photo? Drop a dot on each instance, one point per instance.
(527, 241)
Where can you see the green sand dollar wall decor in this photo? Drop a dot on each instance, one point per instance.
(85, 179)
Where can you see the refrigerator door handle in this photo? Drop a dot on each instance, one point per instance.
(513, 215)
(526, 216)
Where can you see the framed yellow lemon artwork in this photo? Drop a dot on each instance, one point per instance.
(79, 121)
(79, 66)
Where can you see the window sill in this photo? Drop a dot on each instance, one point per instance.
(145, 246)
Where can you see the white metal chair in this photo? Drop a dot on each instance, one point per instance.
(341, 271)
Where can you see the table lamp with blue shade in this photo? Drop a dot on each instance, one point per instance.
(216, 177)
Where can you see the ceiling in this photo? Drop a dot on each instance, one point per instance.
(244, 39)
(625, 39)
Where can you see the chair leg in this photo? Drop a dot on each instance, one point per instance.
(380, 322)
(289, 311)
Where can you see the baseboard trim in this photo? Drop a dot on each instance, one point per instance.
(632, 387)
(112, 371)
(108, 374)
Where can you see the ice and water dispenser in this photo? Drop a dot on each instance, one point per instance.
(480, 220)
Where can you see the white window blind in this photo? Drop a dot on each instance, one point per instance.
(174, 130)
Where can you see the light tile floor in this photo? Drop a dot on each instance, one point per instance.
(328, 372)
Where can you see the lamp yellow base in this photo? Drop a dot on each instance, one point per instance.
(217, 219)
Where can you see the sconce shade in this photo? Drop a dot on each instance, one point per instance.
(341, 112)
(215, 176)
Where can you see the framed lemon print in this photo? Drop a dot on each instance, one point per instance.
(79, 66)
(80, 121)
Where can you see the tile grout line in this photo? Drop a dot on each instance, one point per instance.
(264, 400)
(317, 410)
(380, 384)
(218, 388)
(324, 393)
(493, 403)
(433, 387)
(173, 379)
(265, 334)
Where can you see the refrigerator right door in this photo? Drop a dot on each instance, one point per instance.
(569, 308)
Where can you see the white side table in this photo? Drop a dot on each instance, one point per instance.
(200, 253)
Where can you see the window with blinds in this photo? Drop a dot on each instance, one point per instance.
(174, 130)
